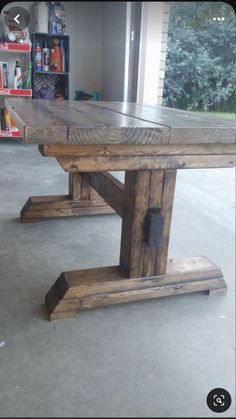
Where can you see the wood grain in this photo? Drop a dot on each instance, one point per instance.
(167, 201)
(77, 290)
(163, 115)
(109, 188)
(116, 150)
(75, 186)
(136, 195)
(154, 201)
(104, 164)
(78, 122)
(143, 191)
(41, 207)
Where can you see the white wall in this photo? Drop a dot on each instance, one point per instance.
(97, 47)
(113, 50)
(84, 23)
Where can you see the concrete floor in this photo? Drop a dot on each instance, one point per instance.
(151, 359)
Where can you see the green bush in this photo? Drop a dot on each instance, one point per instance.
(200, 62)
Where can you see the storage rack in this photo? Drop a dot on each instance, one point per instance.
(14, 48)
(48, 79)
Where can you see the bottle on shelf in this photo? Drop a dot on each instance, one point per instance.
(12, 125)
(56, 56)
(3, 75)
(45, 57)
(52, 20)
(57, 18)
(7, 120)
(18, 84)
(27, 77)
(3, 126)
(38, 56)
(63, 56)
(51, 56)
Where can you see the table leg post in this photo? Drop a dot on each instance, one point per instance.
(167, 200)
(75, 186)
(152, 189)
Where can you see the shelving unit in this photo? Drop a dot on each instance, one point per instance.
(14, 47)
(51, 72)
(10, 134)
(10, 52)
(15, 92)
(48, 80)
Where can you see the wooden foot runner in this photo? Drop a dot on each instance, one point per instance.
(89, 288)
(81, 200)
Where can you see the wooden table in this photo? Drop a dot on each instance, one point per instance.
(149, 143)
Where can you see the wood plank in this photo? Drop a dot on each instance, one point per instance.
(75, 184)
(109, 188)
(167, 200)
(73, 121)
(76, 122)
(36, 122)
(18, 119)
(85, 188)
(173, 118)
(119, 135)
(92, 150)
(155, 201)
(136, 195)
(40, 207)
(79, 188)
(143, 191)
(77, 290)
(104, 164)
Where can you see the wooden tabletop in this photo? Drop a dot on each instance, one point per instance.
(87, 122)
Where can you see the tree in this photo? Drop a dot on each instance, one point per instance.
(200, 62)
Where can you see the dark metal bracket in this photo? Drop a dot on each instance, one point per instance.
(153, 227)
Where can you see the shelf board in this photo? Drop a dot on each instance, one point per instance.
(9, 134)
(49, 35)
(14, 47)
(15, 92)
(58, 73)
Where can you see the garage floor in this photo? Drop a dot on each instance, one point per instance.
(154, 358)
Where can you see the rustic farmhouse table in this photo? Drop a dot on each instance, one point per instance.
(149, 143)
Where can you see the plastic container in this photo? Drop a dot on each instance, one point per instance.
(3, 127)
(63, 56)
(18, 83)
(45, 56)
(38, 56)
(57, 18)
(56, 56)
(7, 120)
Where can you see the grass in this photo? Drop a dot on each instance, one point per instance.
(224, 115)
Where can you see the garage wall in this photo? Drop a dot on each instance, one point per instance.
(113, 51)
(84, 22)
